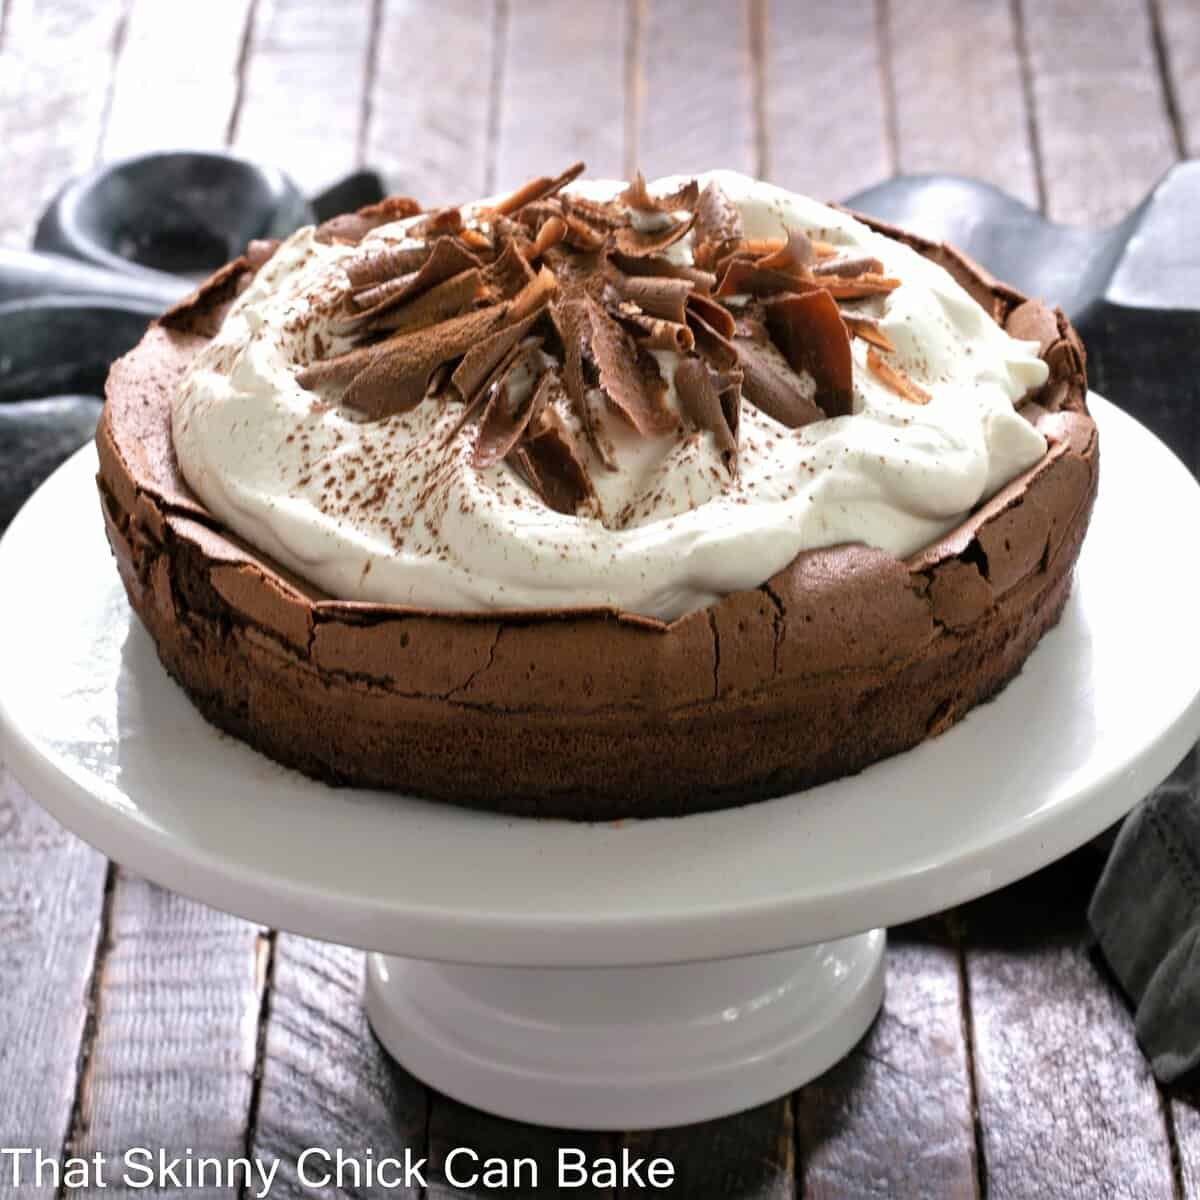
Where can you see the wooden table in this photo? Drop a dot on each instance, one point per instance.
(1003, 1063)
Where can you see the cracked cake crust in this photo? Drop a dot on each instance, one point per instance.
(845, 657)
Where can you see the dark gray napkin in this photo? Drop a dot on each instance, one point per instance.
(1145, 915)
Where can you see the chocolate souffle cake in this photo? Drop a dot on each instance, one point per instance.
(598, 499)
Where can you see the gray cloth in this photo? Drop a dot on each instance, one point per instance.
(1146, 917)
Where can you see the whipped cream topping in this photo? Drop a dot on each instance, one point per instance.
(397, 510)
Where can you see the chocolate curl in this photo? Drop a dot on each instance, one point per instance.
(795, 255)
(552, 231)
(629, 376)
(604, 216)
(704, 281)
(551, 463)
(867, 328)
(507, 415)
(769, 383)
(472, 374)
(858, 288)
(440, 303)
(712, 402)
(656, 334)
(537, 189)
(394, 375)
(743, 276)
(449, 258)
(353, 227)
(580, 234)
(848, 268)
(711, 343)
(895, 379)
(634, 243)
(384, 263)
(810, 333)
(715, 315)
(718, 226)
(665, 298)
(636, 196)
(535, 295)
(436, 224)
(510, 272)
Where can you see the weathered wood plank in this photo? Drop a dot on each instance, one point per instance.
(750, 1155)
(55, 69)
(302, 101)
(1178, 23)
(895, 1117)
(171, 1063)
(431, 104)
(326, 1081)
(695, 88)
(564, 90)
(177, 78)
(51, 901)
(825, 107)
(1099, 109)
(960, 104)
(1066, 1101)
(453, 1125)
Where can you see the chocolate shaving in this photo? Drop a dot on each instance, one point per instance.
(449, 258)
(656, 334)
(510, 272)
(795, 254)
(537, 189)
(485, 356)
(860, 287)
(394, 375)
(603, 217)
(715, 315)
(635, 243)
(665, 298)
(629, 375)
(867, 328)
(711, 344)
(895, 379)
(769, 383)
(353, 227)
(849, 268)
(384, 263)
(507, 414)
(437, 224)
(718, 226)
(812, 336)
(447, 299)
(712, 402)
(636, 196)
(704, 281)
(744, 276)
(551, 463)
(552, 231)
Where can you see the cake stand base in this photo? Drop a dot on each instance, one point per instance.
(628, 1047)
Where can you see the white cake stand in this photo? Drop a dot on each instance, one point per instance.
(598, 975)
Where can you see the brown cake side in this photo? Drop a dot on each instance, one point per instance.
(847, 656)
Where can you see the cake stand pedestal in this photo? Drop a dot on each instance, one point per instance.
(629, 974)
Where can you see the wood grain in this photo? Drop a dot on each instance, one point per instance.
(1066, 1101)
(695, 88)
(431, 105)
(895, 1117)
(51, 898)
(326, 1081)
(750, 1155)
(177, 78)
(824, 137)
(171, 1063)
(563, 90)
(55, 70)
(302, 100)
(960, 104)
(1099, 112)
(1179, 29)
